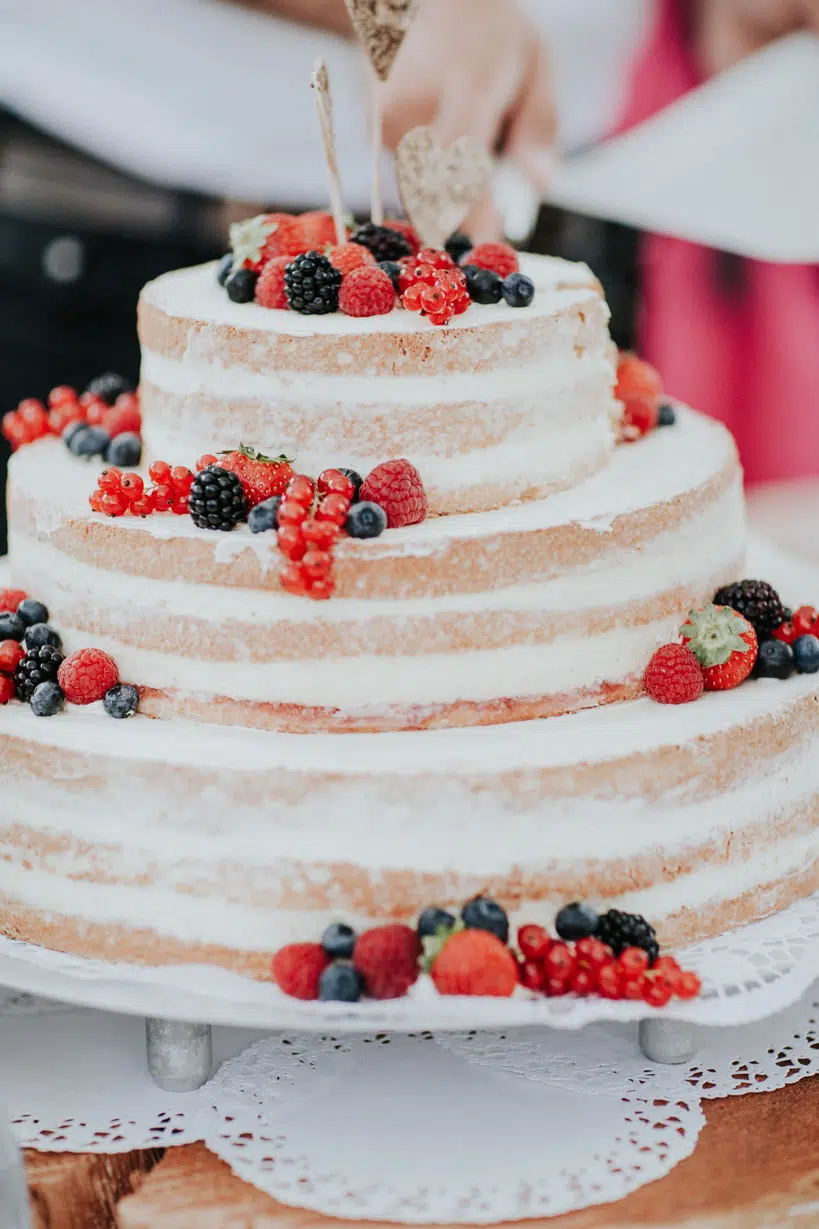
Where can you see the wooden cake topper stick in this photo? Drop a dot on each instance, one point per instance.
(377, 136)
(320, 83)
(440, 186)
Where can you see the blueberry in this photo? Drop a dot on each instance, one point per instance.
(42, 633)
(90, 442)
(32, 612)
(109, 386)
(241, 285)
(223, 269)
(433, 920)
(774, 660)
(484, 914)
(518, 290)
(484, 286)
(264, 516)
(121, 701)
(393, 272)
(47, 699)
(457, 245)
(338, 941)
(668, 415)
(356, 480)
(366, 521)
(71, 430)
(125, 450)
(806, 654)
(576, 921)
(340, 983)
(12, 626)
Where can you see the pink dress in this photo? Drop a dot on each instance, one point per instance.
(737, 339)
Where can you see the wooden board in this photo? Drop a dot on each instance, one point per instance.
(71, 1191)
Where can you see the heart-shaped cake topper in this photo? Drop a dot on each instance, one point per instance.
(440, 186)
(382, 26)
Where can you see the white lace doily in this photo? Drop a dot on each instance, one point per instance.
(747, 975)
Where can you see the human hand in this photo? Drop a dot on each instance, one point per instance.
(476, 67)
(726, 31)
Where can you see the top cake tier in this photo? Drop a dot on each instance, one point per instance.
(501, 405)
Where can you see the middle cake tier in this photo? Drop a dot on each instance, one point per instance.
(529, 611)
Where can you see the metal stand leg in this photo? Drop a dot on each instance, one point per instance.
(668, 1041)
(180, 1056)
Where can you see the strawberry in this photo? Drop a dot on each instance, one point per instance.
(724, 643)
(499, 257)
(387, 959)
(637, 380)
(319, 228)
(297, 969)
(475, 962)
(396, 487)
(674, 676)
(261, 477)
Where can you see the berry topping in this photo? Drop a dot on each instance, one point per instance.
(107, 387)
(124, 416)
(12, 626)
(264, 516)
(576, 921)
(475, 962)
(806, 654)
(406, 229)
(31, 611)
(47, 699)
(224, 268)
(89, 442)
(261, 477)
(434, 922)
(674, 676)
(534, 942)
(667, 416)
(241, 286)
(366, 520)
(393, 272)
(639, 388)
(217, 499)
(356, 480)
(160, 472)
(396, 487)
(43, 633)
(319, 229)
(387, 959)
(125, 449)
(10, 599)
(321, 534)
(336, 482)
(341, 983)
(250, 241)
(481, 913)
(86, 675)
(367, 292)
(38, 666)
(297, 969)
(385, 242)
(121, 701)
(775, 660)
(289, 237)
(333, 508)
(6, 689)
(518, 290)
(724, 643)
(338, 941)
(484, 285)
(756, 601)
(348, 256)
(499, 257)
(312, 285)
(621, 930)
(637, 419)
(457, 245)
(805, 621)
(11, 654)
(269, 290)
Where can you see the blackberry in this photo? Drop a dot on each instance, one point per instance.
(39, 665)
(312, 284)
(756, 601)
(109, 386)
(457, 245)
(622, 930)
(385, 244)
(217, 499)
(393, 272)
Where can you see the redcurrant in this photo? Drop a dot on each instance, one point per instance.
(291, 513)
(205, 461)
(293, 580)
(113, 503)
(160, 472)
(316, 564)
(6, 689)
(333, 482)
(143, 505)
(181, 479)
(806, 621)
(592, 954)
(131, 486)
(554, 987)
(322, 534)
(95, 500)
(688, 985)
(533, 942)
(291, 542)
(61, 394)
(321, 590)
(610, 981)
(656, 991)
(583, 982)
(633, 961)
(10, 654)
(332, 508)
(559, 961)
(164, 496)
(110, 479)
(530, 975)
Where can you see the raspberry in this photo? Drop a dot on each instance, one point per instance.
(10, 599)
(500, 258)
(366, 292)
(396, 487)
(349, 256)
(533, 942)
(6, 689)
(387, 959)
(85, 676)
(270, 286)
(475, 962)
(297, 969)
(405, 229)
(674, 676)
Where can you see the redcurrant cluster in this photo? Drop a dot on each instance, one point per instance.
(33, 419)
(432, 284)
(589, 967)
(310, 518)
(118, 493)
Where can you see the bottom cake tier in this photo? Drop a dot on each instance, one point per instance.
(158, 842)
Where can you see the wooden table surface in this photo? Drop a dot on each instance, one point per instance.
(756, 1164)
